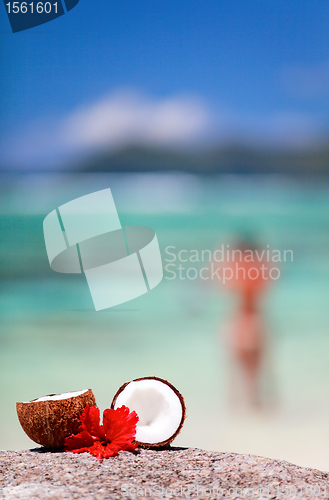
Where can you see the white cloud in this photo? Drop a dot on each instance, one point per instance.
(122, 118)
(128, 117)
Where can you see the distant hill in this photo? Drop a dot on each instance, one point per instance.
(235, 160)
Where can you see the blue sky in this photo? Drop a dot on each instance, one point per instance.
(256, 69)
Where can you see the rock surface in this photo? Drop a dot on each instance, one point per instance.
(172, 473)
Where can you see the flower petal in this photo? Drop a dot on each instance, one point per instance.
(120, 427)
(110, 451)
(103, 441)
(90, 422)
(100, 450)
(81, 440)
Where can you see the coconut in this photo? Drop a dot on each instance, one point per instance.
(50, 419)
(159, 406)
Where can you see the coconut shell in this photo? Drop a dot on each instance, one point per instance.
(49, 422)
(167, 442)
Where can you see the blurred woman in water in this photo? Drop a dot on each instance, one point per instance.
(248, 276)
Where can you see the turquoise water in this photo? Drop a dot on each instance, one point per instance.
(52, 340)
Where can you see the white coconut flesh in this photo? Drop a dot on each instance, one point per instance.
(58, 397)
(158, 407)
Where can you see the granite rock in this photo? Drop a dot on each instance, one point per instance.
(171, 473)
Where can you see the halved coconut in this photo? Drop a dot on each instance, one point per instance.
(159, 406)
(50, 419)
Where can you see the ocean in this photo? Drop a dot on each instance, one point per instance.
(53, 340)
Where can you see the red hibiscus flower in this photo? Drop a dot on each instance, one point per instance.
(103, 441)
